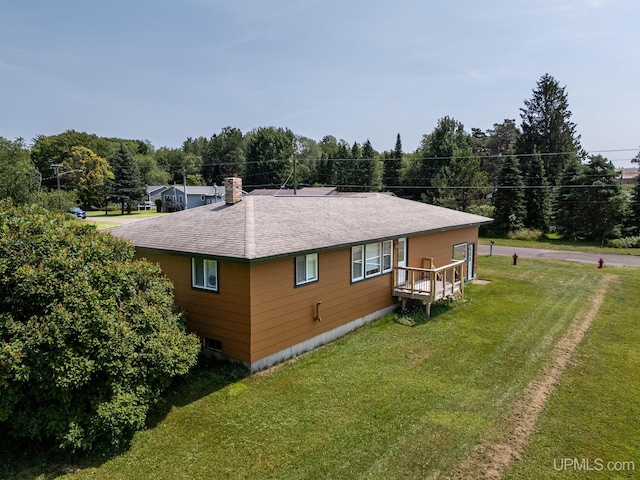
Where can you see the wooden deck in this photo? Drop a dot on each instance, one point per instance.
(429, 284)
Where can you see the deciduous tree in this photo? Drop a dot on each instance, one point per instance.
(89, 175)
(224, 156)
(19, 179)
(89, 337)
(269, 154)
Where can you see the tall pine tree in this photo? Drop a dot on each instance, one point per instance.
(127, 187)
(537, 195)
(392, 167)
(509, 198)
(547, 128)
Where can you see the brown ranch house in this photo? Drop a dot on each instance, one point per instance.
(264, 278)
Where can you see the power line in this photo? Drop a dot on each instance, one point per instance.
(494, 156)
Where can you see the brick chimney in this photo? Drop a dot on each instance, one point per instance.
(232, 190)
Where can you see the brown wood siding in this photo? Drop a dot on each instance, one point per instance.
(439, 246)
(259, 311)
(283, 315)
(223, 315)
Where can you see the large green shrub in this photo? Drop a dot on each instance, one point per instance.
(88, 337)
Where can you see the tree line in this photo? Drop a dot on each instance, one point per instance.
(532, 175)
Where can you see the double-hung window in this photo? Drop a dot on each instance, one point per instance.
(306, 269)
(387, 256)
(204, 274)
(371, 259)
(357, 271)
(372, 256)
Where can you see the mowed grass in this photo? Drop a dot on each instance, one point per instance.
(557, 242)
(591, 428)
(394, 401)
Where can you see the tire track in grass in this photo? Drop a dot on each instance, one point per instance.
(489, 460)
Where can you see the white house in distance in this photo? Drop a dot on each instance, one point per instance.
(173, 197)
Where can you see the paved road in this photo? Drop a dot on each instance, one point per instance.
(609, 259)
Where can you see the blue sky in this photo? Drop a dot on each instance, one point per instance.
(167, 70)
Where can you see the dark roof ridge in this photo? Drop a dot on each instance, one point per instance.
(249, 228)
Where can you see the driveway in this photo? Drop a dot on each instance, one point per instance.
(582, 257)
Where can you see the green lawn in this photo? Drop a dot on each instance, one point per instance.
(117, 214)
(114, 217)
(558, 243)
(395, 401)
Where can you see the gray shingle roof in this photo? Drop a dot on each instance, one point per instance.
(262, 227)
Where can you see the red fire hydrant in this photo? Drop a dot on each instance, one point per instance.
(600, 263)
(515, 259)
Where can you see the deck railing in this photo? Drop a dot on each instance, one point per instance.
(429, 284)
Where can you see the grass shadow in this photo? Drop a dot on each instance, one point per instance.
(26, 459)
(415, 313)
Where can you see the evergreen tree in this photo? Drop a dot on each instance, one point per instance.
(547, 128)
(604, 204)
(370, 170)
(341, 166)
(568, 211)
(501, 142)
(634, 217)
(127, 187)
(509, 198)
(393, 166)
(634, 213)
(591, 204)
(437, 149)
(537, 195)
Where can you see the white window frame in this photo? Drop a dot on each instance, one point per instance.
(462, 247)
(387, 256)
(310, 264)
(209, 270)
(357, 263)
(370, 260)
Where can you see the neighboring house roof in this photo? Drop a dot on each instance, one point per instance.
(264, 227)
(302, 192)
(199, 190)
(153, 189)
(628, 175)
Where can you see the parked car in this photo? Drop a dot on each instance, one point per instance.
(78, 212)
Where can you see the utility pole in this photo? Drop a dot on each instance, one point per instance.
(295, 177)
(184, 180)
(56, 172)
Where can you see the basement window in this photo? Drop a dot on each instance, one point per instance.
(212, 344)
